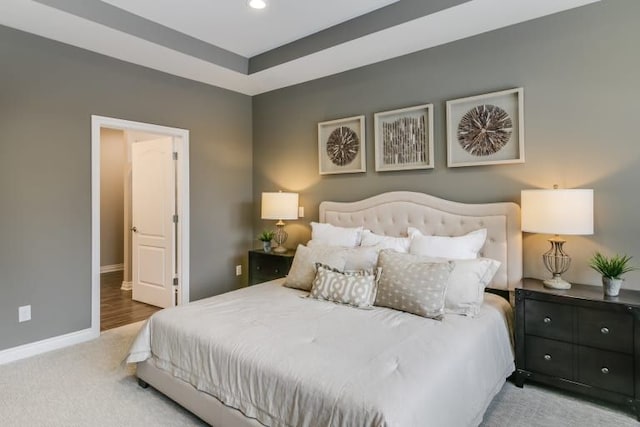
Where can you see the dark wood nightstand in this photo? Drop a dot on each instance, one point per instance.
(268, 266)
(580, 340)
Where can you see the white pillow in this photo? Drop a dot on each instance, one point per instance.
(331, 235)
(363, 258)
(465, 290)
(459, 247)
(398, 244)
(303, 268)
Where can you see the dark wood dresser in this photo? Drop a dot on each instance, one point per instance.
(580, 340)
(268, 266)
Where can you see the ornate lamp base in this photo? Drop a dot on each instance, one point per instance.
(557, 282)
(280, 237)
(557, 262)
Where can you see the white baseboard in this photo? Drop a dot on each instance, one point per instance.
(111, 268)
(43, 346)
(126, 286)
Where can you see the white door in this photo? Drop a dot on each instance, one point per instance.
(153, 192)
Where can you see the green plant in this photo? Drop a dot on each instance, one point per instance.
(266, 236)
(612, 267)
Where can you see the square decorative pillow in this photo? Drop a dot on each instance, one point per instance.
(458, 247)
(409, 283)
(465, 292)
(362, 258)
(303, 268)
(357, 289)
(331, 235)
(398, 244)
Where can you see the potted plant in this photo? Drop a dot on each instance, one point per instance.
(611, 269)
(266, 237)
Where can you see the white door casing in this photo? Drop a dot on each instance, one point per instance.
(153, 209)
(181, 141)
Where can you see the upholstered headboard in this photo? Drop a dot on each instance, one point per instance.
(391, 213)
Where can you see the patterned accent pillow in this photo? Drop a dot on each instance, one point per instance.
(355, 288)
(411, 284)
(303, 268)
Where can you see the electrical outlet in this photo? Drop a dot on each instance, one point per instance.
(238, 270)
(24, 313)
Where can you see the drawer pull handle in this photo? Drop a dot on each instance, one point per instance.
(604, 330)
(547, 320)
(257, 267)
(547, 357)
(277, 270)
(605, 370)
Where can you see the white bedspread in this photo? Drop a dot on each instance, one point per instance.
(292, 361)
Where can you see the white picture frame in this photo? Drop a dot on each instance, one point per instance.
(341, 146)
(467, 144)
(404, 138)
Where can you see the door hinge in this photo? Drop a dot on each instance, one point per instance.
(175, 291)
(175, 219)
(175, 155)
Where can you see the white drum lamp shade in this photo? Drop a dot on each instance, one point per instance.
(279, 206)
(560, 211)
(557, 211)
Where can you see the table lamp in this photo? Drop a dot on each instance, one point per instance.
(557, 211)
(279, 206)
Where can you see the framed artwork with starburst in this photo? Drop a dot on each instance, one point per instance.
(341, 146)
(486, 129)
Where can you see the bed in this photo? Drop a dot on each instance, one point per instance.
(265, 355)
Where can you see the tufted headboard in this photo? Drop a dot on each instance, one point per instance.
(391, 213)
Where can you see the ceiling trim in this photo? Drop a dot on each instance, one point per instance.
(118, 19)
(463, 20)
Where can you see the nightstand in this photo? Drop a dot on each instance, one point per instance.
(580, 341)
(268, 266)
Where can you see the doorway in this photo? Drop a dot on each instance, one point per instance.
(156, 233)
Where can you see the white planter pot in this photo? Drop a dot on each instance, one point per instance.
(611, 286)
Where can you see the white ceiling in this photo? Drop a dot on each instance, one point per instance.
(233, 25)
(465, 20)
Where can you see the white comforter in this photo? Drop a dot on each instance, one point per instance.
(292, 361)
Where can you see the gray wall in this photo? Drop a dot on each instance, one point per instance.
(113, 161)
(579, 70)
(48, 92)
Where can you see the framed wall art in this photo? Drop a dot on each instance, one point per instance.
(341, 146)
(404, 138)
(486, 129)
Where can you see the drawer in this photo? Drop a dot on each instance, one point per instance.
(269, 269)
(265, 267)
(549, 320)
(605, 329)
(549, 357)
(606, 369)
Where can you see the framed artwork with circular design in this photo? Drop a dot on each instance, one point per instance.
(341, 146)
(486, 129)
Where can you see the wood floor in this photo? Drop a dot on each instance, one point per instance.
(116, 306)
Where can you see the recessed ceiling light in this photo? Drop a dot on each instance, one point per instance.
(257, 4)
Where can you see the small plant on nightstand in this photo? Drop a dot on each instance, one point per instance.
(611, 269)
(266, 237)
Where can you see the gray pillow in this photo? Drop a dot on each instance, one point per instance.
(303, 268)
(409, 283)
(355, 288)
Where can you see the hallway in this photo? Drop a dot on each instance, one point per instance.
(116, 306)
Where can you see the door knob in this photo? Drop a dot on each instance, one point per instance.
(134, 229)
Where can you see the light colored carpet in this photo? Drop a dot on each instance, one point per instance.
(85, 385)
